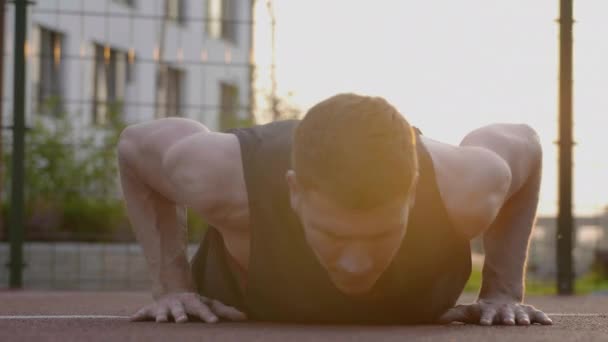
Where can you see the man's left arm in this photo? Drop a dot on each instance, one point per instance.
(506, 240)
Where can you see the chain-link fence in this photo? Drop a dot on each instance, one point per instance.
(93, 67)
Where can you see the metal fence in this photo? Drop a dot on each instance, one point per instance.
(94, 66)
(91, 68)
(80, 265)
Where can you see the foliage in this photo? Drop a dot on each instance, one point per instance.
(588, 283)
(196, 226)
(99, 167)
(70, 184)
(237, 122)
(272, 107)
(283, 108)
(87, 219)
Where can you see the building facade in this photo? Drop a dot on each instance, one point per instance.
(141, 59)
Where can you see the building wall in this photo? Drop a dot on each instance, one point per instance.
(84, 22)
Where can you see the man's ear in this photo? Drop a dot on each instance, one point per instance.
(294, 190)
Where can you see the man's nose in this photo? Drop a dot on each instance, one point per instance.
(355, 261)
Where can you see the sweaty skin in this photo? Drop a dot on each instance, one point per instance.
(489, 184)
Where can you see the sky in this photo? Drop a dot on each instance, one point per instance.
(453, 66)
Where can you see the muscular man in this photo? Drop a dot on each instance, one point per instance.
(350, 215)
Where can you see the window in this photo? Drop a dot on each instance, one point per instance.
(130, 3)
(229, 103)
(175, 10)
(221, 19)
(169, 92)
(112, 76)
(48, 73)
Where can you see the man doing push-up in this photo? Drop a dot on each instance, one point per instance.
(349, 215)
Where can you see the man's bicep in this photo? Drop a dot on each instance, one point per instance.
(205, 170)
(517, 144)
(482, 193)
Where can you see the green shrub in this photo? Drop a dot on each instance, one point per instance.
(71, 186)
(94, 220)
(588, 283)
(196, 227)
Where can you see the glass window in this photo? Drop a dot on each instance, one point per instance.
(48, 76)
(130, 3)
(221, 19)
(169, 92)
(111, 78)
(175, 10)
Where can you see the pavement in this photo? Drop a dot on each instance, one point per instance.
(101, 316)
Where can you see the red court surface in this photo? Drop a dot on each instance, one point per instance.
(101, 316)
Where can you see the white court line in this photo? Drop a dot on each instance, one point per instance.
(62, 317)
(14, 317)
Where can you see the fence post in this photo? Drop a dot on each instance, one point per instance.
(565, 220)
(17, 193)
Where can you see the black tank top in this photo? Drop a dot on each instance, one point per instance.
(286, 282)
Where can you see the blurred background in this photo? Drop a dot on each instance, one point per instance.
(95, 66)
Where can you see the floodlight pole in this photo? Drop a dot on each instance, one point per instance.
(565, 219)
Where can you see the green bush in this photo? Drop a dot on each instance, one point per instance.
(93, 220)
(86, 220)
(588, 283)
(70, 186)
(196, 227)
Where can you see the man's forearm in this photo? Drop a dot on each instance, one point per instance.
(506, 244)
(503, 269)
(174, 269)
(160, 227)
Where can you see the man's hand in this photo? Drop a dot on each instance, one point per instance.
(488, 312)
(181, 305)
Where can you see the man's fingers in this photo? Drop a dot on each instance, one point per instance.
(226, 311)
(507, 316)
(521, 317)
(183, 306)
(203, 312)
(538, 316)
(141, 315)
(488, 313)
(178, 313)
(487, 316)
(162, 314)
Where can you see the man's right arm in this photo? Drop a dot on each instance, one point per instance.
(159, 222)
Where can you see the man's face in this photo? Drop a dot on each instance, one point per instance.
(354, 246)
